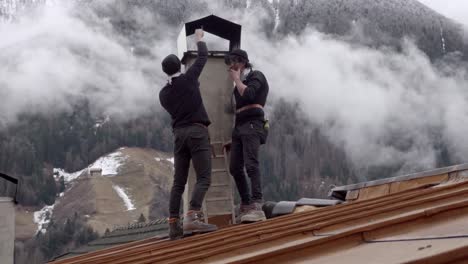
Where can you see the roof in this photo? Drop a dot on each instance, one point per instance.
(423, 223)
(122, 235)
(395, 184)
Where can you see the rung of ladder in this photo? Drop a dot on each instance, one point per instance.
(221, 213)
(218, 199)
(219, 185)
(218, 170)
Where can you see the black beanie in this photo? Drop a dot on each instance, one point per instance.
(171, 64)
(240, 53)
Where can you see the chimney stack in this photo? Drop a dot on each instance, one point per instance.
(216, 89)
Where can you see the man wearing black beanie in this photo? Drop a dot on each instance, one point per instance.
(250, 131)
(182, 99)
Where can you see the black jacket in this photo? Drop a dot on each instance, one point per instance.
(255, 93)
(182, 98)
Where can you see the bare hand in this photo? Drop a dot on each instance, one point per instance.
(234, 74)
(199, 34)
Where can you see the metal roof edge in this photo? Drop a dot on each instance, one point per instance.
(406, 177)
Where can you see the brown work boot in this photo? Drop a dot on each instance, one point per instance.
(243, 210)
(255, 214)
(175, 229)
(194, 223)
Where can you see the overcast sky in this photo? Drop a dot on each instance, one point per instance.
(455, 9)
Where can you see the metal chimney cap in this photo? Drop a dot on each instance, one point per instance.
(218, 26)
(212, 24)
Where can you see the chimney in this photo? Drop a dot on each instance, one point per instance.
(216, 89)
(7, 222)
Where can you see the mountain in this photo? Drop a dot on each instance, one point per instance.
(9, 9)
(299, 159)
(34, 145)
(370, 22)
(133, 182)
(375, 22)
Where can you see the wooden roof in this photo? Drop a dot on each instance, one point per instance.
(421, 224)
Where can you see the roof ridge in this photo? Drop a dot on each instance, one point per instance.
(156, 222)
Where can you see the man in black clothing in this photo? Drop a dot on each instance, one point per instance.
(182, 99)
(250, 131)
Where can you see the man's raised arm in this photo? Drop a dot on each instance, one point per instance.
(197, 67)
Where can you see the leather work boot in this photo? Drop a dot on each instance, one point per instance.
(255, 214)
(243, 210)
(175, 229)
(195, 224)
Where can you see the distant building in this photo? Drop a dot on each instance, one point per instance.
(95, 172)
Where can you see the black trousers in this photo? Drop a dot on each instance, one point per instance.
(246, 141)
(191, 143)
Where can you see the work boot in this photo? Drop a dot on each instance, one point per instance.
(255, 214)
(175, 229)
(243, 210)
(194, 223)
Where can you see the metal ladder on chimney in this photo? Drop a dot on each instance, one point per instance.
(219, 199)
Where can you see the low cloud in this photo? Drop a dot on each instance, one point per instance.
(384, 108)
(53, 57)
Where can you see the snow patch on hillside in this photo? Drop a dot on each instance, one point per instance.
(171, 160)
(277, 19)
(442, 38)
(126, 199)
(42, 218)
(68, 177)
(101, 122)
(110, 164)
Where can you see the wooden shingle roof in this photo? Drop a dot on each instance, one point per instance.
(421, 224)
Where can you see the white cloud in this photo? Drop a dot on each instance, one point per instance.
(52, 57)
(454, 9)
(382, 107)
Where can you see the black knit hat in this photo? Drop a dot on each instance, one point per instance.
(171, 64)
(235, 55)
(240, 53)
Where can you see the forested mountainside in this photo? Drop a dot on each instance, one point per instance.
(300, 159)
